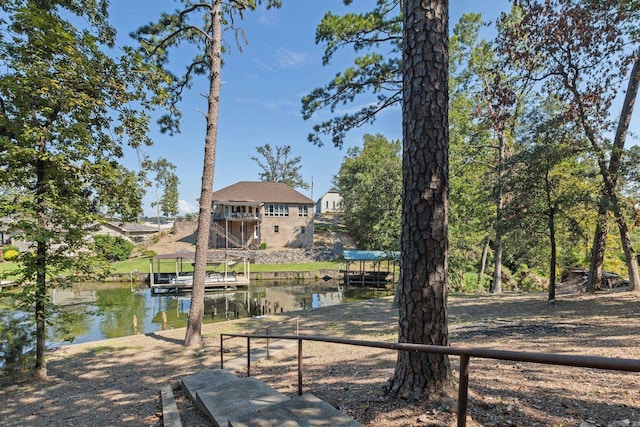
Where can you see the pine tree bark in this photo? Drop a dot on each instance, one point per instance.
(425, 206)
(193, 335)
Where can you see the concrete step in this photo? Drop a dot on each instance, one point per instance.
(302, 411)
(236, 398)
(213, 378)
(170, 414)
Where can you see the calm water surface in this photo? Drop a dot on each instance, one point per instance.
(110, 310)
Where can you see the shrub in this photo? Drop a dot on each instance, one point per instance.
(6, 248)
(112, 248)
(11, 254)
(148, 253)
(263, 245)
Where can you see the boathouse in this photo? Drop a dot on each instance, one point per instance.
(374, 269)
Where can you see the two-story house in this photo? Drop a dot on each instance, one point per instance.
(330, 202)
(261, 214)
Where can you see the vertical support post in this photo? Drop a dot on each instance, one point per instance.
(221, 352)
(463, 390)
(268, 333)
(299, 367)
(248, 356)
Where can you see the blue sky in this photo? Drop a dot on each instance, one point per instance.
(261, 92)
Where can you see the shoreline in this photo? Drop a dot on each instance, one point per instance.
(117, 381)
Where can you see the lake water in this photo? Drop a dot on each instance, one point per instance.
(110, 310)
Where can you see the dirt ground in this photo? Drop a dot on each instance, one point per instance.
(116, 382)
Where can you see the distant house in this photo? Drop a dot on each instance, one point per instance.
(329, 202)
(254, 214)
(128, 230)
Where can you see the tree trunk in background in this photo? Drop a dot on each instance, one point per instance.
(594, 280)
(196, 311)
(496, 284)
(599, 240)
(483, 261)
(614, 164)
(424, 247)
(551, 221)
(40, 368)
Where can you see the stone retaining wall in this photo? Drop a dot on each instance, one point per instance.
(294, 256)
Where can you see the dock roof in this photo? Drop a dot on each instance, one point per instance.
(359, 255)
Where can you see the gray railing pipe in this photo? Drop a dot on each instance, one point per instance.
(465, 353)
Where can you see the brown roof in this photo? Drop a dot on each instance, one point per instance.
(260, 192)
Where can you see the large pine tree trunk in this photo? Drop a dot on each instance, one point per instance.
(423, 284)
(196, 311)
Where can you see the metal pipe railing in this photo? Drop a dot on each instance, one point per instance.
(465, 354)
(268, 329)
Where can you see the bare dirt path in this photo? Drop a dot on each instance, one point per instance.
(116, 382)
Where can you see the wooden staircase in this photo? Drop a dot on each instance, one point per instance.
(219, 230)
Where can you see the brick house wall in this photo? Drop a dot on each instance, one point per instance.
(293, 231)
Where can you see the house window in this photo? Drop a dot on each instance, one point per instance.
(276, 228)
(303, 210)
(255, 231)
(303, 229)
(334, 204)
(327, 204)
(276, 210)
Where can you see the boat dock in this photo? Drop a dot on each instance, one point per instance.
(181, 281)
(5, 284)
(371, 272)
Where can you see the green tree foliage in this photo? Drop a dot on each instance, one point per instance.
(112, 248)
(66, 110)
(549, 180)
(370, 184)
(583, 69)
(198, 25)
(376, 37)
(166, 179)
(278, 166)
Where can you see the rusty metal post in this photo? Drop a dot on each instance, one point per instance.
(299, 367)
(463, 390)
(248, 356)
(221, 353)
(268, 333)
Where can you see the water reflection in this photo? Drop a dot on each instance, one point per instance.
(117, 309)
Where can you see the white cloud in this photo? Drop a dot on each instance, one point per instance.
(185, 207)
(289, 59)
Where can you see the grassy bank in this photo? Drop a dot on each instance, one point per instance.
(142, 265)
